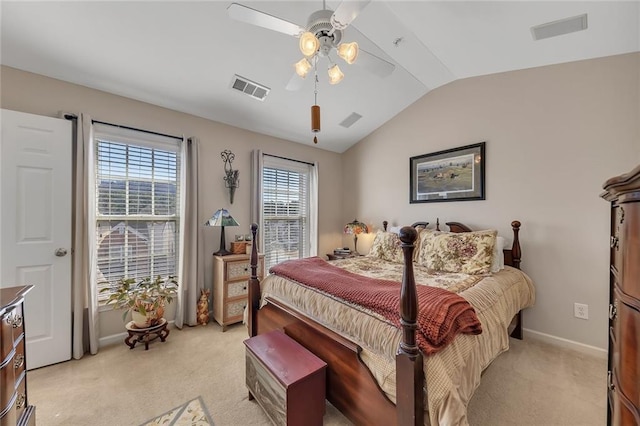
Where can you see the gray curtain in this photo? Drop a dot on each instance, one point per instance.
(191, 269)
(85, 301)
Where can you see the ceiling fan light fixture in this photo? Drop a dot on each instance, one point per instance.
(302, 67)
(309, 44)
(348, 52)
(335, 75)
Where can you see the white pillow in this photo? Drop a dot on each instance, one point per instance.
(497, 263)
(395, 229)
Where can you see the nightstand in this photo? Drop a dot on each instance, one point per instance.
(332, 256)
(231, 275)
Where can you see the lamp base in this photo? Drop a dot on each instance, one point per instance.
(222, 252)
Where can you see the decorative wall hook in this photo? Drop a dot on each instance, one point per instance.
(231, 180)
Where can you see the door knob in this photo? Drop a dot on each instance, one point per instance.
(61, 252)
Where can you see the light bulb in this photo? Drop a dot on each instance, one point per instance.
(302, 67)
(348, 52)
(309, 44)
(335, 75)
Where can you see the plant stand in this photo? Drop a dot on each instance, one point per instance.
(145, 335)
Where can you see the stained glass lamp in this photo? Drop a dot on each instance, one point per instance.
(356, 228)
(222, 218)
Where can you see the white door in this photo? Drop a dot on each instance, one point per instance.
(35, 200)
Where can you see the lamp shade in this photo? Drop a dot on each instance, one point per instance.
(222, 217)
(335, 75)
(356, 227)
(348, 52)
(309, 44)
(302, 67)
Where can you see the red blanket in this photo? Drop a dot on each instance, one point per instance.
(441, 313)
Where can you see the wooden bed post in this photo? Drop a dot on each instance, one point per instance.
(409, 372)
(254, 285)
(515, 248)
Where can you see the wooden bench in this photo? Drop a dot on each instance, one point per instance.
(286, 379)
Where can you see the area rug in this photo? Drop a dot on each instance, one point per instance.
(192, 413)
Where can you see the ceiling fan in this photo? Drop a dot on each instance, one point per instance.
(318, 39)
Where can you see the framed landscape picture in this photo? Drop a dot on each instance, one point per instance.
(456, 174)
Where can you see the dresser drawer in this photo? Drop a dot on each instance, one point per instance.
(630, 251)
(12, 328)
(7, 383)
(624, 412)
(237, 288)
(617, 221)
(627, 353)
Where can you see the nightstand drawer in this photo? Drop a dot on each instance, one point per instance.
(235, 310)
(241, 270)
(237, 288)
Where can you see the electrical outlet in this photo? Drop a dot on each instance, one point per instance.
(580, 310)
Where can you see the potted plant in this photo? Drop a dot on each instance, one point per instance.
(145, 299)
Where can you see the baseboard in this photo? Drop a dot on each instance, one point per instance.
(116, 338)
(565, 343)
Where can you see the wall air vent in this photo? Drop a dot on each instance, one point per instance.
(352, 118)
(556, 28)
(250, 88)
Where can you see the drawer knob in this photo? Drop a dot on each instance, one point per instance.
(614, 242)
(610, 384)
(17, 321)
(244, 288)
(613, 311)
(20, 402)
(18, 362)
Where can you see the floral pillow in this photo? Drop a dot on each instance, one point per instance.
(466, 252)
(387, 246)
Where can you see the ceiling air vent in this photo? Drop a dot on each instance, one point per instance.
(352, 118)
(250, 88)
(556, 28)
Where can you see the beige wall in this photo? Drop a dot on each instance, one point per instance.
(554, 135)
(32, 93)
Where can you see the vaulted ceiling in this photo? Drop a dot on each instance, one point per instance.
(183, 55)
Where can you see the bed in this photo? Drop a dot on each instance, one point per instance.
(382, 377)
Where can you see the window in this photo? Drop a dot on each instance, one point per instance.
(136, 205)
(287, 210)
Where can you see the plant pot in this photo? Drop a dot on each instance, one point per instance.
(144, 321)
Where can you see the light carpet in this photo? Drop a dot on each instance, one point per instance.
(191, 413)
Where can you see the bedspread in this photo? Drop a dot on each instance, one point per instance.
(453, 374)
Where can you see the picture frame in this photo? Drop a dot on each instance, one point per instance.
(456, 174)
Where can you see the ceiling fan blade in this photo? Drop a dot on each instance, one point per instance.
(374, 64)
(264, 20)
(295, 83)
(346, 12)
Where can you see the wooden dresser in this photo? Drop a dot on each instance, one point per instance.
(230, 286)
(14, 404)
(623, 192)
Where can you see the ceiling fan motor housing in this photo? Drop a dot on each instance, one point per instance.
(319, 24)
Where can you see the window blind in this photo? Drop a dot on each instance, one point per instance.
(137, 205)
(285, 210)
